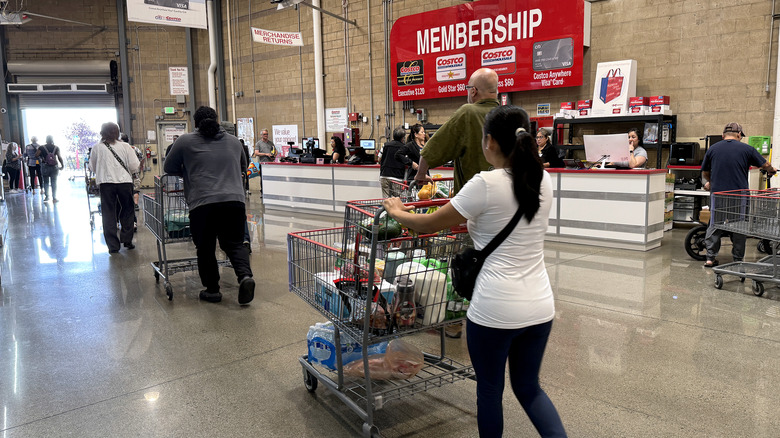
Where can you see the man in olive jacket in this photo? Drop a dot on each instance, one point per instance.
(460, 138)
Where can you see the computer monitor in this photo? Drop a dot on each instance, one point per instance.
(684, 154)
(368, 144)
(606, 148)
(305, 141)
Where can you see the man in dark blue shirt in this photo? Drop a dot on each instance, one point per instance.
(725, 167)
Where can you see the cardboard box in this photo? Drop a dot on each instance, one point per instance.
(569, 109)
(584, 108)
(638, 106)
(659, 105)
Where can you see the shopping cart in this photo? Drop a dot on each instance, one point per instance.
(375, 282)
(92, 192)
(408, 190)
(754, 213)
(167, 216)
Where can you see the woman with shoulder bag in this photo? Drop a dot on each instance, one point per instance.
(114, 163)
(49, 154)
(13, 165)
(511, 312)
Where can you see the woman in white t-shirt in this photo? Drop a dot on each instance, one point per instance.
(512, 309)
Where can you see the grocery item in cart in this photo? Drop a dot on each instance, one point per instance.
(430, 290)
(327, 295)
(322, 346)
(404, 306)
(400, 361)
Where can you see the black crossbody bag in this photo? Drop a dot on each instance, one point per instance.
(466, 265)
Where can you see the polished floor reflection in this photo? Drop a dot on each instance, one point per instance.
(643, 345)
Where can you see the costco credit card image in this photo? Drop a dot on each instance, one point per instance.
(553, 54)
(178, 4)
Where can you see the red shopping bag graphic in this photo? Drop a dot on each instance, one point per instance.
(611, 85)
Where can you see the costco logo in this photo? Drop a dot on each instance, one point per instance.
(451, 68)
(502, 59)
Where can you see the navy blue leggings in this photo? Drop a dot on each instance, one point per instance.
(489, 349)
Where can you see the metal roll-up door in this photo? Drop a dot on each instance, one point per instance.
(63, 84)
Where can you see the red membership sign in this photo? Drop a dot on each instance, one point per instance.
(531, 44)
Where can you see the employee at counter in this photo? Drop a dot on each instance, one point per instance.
(547, 152)
(637, 154)
(339, 151)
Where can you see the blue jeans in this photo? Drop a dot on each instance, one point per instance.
(489, 349)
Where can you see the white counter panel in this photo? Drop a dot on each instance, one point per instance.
(352, 184)
(291, 187)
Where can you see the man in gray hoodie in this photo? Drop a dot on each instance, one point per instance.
(211, 161)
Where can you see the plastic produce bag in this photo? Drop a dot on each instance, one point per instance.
(401, 361)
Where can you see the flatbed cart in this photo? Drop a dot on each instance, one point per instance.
(167, 216)
(345, 274)
(92, 192)
(754, 213)
(407, 190)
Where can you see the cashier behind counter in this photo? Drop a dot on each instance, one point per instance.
(637, 157)
(638, 154)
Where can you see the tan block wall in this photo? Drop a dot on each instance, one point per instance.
(710, 58)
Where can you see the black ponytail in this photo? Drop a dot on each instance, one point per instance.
(206, 121)
(510, 126)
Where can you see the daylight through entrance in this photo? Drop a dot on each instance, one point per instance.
(74, 130)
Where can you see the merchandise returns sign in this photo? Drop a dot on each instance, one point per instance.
(531, 44)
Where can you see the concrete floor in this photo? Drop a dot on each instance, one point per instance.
(643, 345)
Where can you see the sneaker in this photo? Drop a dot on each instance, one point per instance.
(246, 290)
(113, 251)
(211, 297)
(129, 246)
(711, 263)
(55, 200)
(46, 199)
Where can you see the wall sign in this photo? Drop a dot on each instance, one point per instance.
(277, 38)
(531, 44)
(183, 13)
(335, 119)
(283, 134)
(179, 81)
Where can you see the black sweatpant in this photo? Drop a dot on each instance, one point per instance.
(35, 171)
(13, 178)
(117, 199)
(223, 221)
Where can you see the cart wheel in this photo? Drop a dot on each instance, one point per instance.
(169, 291)
(694, 243)
(370, 431)
(156, 277)
(309, 381)
(758, 288)
(718, 281)
(762, 246)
